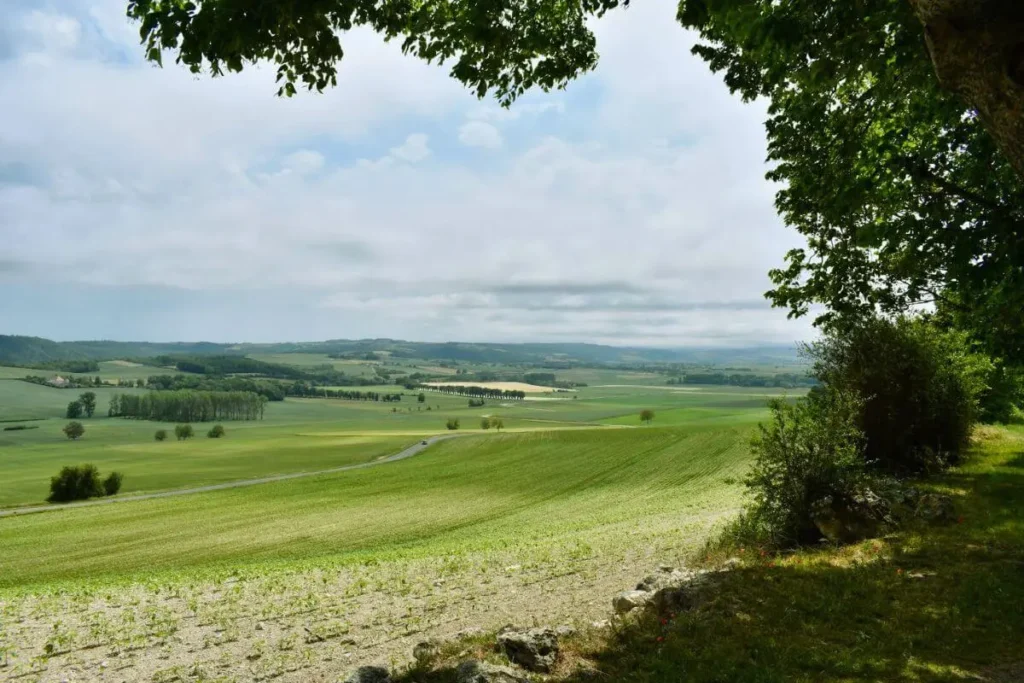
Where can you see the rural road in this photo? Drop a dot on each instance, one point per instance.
(401, 455)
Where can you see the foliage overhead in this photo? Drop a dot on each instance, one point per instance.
(901, 193)
(507, 46)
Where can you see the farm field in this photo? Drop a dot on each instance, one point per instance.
(564, 506)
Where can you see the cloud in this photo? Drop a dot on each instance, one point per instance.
(480, 134)
(413, 150)
(303, 161)
(630, 208)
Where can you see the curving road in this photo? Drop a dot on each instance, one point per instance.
(416, 448)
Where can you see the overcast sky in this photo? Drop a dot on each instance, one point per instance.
(146, 203)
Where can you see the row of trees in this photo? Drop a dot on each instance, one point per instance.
(70, 382)
(271, 389)
(189, 406)
(483, 392)
(781, 380)
(302, 389)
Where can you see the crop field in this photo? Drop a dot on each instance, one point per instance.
(304, 578)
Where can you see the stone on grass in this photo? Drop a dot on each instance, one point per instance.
(936, 507)
(473, 671)
(426, 651)
(850, 519)
(534, 649)
(369, 674)
(627, 601)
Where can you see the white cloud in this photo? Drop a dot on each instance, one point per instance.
(413, 150)
(648, 221)
(303, 161)
(480, 134)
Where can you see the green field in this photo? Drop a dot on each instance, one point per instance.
(472, 493)
(574, 498)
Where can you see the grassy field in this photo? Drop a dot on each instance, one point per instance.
(572, 498)
(476, 492)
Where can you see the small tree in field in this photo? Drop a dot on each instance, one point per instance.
(216, 432)
(73, 430)
(75, 483)
(497, 423)
(453, 423)
(422, 397)
(183, 432)
(112, 483)
(74, 410)
(88, 401)
(161, 435)
(646, 416)
(485, 423)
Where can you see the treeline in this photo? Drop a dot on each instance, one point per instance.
(270, 389)
(484, 392)
(783, 379)
(71, 382)
(64, 365)
(303, 390)
(189, 406)
(222, 367)
(228, 365)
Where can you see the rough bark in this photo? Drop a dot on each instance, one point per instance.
(977, 47)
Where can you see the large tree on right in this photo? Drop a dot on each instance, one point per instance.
(902, 183)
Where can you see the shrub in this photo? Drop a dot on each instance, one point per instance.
(920, 388)
(216, 432)
(112, 483)
(73, 430)
(161, 435)
(497, 423)
(74, 410)
(806, 452)
(453, 423)
(485, 423)
(183, 432)
(18, 428)
(75, 483)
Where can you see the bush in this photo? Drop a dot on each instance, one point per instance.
(453, 423)
(161, 435)
(920, 388)
(485, 423)
(112, 483)
(808, 451)
(18, 428)
(73, 430)
(183, 432)
(74, 410)
(216, 432)
(75, 483)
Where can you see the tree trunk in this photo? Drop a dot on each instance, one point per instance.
(977, 47)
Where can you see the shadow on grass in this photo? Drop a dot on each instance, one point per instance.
(942, 603)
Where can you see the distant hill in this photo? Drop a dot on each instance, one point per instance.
(16, 350)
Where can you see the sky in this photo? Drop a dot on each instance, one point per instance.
(145, 203)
